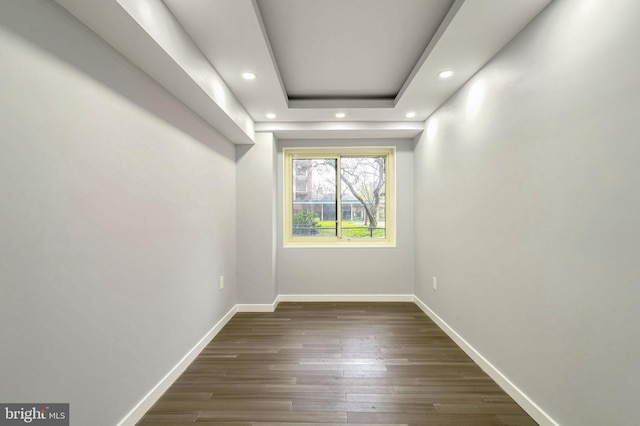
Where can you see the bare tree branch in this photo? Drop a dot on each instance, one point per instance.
(356, 176)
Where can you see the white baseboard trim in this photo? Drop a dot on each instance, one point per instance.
(257, 307)
(537, 413)
(345, 298)
(154, 394)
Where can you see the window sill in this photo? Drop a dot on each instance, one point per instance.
(340, 244)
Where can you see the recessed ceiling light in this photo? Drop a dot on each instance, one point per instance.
(271, 115)
(445, 74)
(410, 114)
(248, 76)
(341, 115)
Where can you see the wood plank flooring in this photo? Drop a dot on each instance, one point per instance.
(334, 363)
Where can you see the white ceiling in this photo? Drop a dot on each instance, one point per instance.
(373, 60)
(348, 49)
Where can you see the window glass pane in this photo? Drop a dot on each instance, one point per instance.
(363, 181)
(314, 197)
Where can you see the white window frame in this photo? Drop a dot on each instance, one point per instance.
(289, 154)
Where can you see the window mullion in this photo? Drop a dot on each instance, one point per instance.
(338, 198)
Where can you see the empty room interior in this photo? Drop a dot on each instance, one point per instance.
(321, 211)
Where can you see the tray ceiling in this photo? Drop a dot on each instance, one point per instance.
(374, 61)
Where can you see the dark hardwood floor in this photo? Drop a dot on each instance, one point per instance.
(334, 363)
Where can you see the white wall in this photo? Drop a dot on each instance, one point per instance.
(256, 219)
(117, 217)
(527, 202)
(375, 270)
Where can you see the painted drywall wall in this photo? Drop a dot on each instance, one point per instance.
(374, 270)
(526, 186)
(117, 218)
(256, 215)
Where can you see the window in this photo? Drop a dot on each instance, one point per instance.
(339, 196)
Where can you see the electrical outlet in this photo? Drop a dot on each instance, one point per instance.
(435, 283)
(221, 282)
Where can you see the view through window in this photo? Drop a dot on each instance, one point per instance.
(339, 195)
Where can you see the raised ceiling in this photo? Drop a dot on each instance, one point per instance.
(373, 60)
(336, 49)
